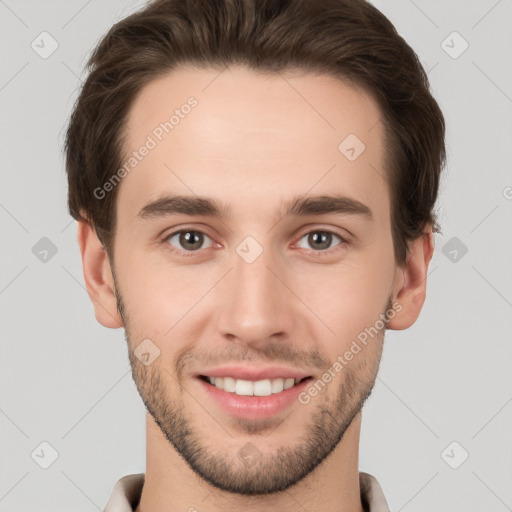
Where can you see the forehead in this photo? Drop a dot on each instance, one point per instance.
(242, 132)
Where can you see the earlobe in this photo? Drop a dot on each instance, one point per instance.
(98, 276)
(411, 282)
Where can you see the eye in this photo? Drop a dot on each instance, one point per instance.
(319, 240)
(189, 240)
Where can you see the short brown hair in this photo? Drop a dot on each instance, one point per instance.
(347, 39)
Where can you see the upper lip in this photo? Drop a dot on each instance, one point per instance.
(255, 374)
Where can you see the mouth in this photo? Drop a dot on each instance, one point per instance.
(244, 387)
(253, 393)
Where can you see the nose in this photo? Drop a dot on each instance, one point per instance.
(254, 306)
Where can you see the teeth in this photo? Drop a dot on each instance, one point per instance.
(288, 383)
(262, 388)
(242, 387)
(229, 384)
(277, 385)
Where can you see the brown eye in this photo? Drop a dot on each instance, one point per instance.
(318, 240)
(188, 240)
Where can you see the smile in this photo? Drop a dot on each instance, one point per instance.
(244, 387)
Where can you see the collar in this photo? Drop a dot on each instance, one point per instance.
(127, 491)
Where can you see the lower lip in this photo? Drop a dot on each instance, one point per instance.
(254, 407)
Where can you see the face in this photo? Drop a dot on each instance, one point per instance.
(253, 248)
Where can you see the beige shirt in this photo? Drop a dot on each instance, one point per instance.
(127, 491)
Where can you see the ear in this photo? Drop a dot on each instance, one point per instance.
(411, 281)
(98, 276)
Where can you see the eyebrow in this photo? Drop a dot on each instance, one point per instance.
(298, 206)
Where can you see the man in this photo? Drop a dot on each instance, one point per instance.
(254, 183)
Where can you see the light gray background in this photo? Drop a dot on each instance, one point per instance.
(65, 379)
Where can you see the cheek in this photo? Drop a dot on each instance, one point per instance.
(156, 294)
(348, 298)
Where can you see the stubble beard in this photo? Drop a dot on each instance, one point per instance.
(268, 472)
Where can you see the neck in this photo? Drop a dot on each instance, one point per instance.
(170, 485)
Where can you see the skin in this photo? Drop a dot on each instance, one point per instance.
(254, 142)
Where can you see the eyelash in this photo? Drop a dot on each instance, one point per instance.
(343, 242)
(325, 252)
